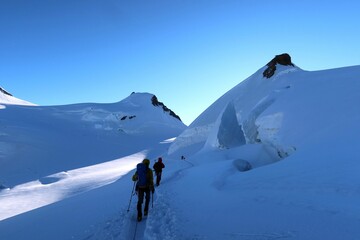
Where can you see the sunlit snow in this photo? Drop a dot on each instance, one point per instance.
(272, 158)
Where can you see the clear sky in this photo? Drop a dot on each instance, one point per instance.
(188, 53)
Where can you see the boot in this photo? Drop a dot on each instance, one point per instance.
(139, 217)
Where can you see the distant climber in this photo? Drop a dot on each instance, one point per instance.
(144, 185)
(158, 166)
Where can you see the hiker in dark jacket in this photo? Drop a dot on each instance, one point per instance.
(158, 166)
(145, 184)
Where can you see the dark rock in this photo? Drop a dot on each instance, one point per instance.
(130, 117)
(156, 103)
(5, 92)
(283, 59)
(242, 165)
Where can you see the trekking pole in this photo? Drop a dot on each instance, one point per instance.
(132, 194)
(152, 199)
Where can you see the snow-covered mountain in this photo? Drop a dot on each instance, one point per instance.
(277, 158)
(279, 114)
(274, 158)
(8, 98)
(38, 141)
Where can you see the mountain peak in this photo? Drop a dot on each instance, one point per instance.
(144, 98)
(155, 102)
(5, 92)
(282, 59)
(8, 98)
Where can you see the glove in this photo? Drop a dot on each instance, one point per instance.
(152, 189)
(135, 178)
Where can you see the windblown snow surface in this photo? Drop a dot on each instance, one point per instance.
(271, 159)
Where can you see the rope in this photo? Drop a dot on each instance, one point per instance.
(135, 230)
(189, 162)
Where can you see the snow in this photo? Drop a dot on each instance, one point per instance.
(56, 187)
(271, 159)
(6, 98)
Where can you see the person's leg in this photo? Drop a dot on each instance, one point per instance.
(160, 176)
(147, 201)
(140, 201)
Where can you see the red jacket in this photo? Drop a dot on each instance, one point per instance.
(158, 166)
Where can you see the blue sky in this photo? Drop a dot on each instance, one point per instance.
(188, 53)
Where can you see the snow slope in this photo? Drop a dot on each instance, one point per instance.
(281, 113)
(8, 98)
(46, 140)
(46, 147)
(304, 124)
(273, 158)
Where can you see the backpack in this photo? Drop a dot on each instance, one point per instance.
(158, 166)
(142, 169)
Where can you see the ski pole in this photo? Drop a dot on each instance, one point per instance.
(132, 193)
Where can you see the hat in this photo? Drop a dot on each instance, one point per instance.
(146, 161)
(160, 159)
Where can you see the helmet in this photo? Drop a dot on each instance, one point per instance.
(146, 161)
(160, 159)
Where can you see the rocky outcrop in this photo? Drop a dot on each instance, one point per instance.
(283, 59)
(155, 102)
(130, 117)
(5, 92)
